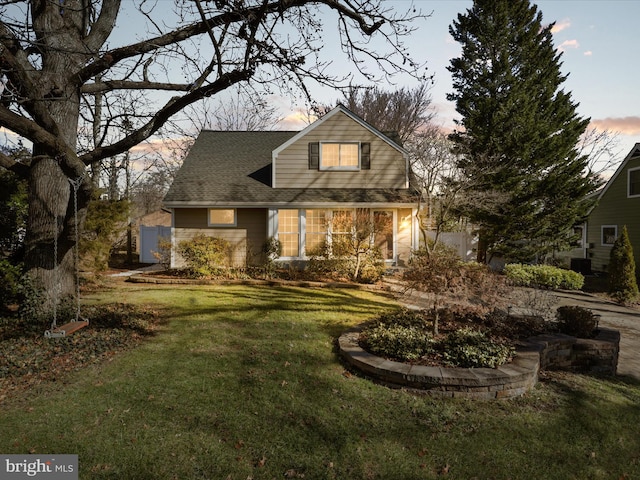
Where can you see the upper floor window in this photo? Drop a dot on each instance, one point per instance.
(340, 155)
(222, 217)
(344, 156)
(634, 182)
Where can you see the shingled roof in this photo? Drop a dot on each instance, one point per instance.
(234, 169)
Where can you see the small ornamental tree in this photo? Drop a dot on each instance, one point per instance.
(623, 285)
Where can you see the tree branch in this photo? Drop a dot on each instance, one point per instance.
(110, 85)
(172, 107)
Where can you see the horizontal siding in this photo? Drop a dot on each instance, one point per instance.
(388, 166)
(614, 208)
(190, 218)
(248, 236)
(236, 237)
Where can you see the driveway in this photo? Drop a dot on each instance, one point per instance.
(625, 320)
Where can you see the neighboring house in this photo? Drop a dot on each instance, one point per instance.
(618, 205)
(303, 188)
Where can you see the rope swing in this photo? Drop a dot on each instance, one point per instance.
(73, 326)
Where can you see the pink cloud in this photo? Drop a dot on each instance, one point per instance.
(624, 125)
(561, 25)
(568, 44)
(588, 53)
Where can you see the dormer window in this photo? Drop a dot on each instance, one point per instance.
(351, 156)
(342, 156)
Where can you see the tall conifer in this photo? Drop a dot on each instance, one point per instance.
(523, 176)
(623, 285)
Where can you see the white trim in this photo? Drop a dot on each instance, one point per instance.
(629, 183)
(634, 153)
(602, 227)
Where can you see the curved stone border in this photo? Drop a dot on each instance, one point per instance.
(509, 380)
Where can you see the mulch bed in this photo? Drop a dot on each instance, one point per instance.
(28, 359)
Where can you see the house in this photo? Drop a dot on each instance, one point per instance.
(303, 188)
(618, 205)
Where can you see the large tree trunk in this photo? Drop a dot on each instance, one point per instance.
(51, 222)
(48, 230)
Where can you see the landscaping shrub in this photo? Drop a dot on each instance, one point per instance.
(272, 249)
(205, 256)
(371, 268)
(543, 276)
(468, 348)
(9, 282)
(163, 254)
(577, 321)
(397, 341)
(623, 285)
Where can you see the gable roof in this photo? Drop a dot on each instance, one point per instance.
(234, 168)
(634, 153)
(340, 109)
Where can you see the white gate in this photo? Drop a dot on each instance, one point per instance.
(149, 237)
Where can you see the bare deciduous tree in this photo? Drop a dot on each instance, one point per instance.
(54, 54)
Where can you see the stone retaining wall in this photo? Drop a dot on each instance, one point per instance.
(555, 351)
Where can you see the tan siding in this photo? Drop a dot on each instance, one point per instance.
(614, 208)
(190, 218)
(254, 222)
(388, 167)
(248, 236)
(236, 237)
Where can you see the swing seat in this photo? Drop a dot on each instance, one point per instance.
(66, 329)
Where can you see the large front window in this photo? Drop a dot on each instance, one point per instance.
(339, 156)
(316, 232)
(289, 232)
(305, 233)
(342, 231)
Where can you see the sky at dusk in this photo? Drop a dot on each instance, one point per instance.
(600, 41)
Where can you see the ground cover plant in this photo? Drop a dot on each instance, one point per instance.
(243, 382)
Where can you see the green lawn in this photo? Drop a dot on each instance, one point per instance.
(244, 382)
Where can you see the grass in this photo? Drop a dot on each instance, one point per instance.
(244, 382)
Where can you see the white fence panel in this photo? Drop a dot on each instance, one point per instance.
(465, 243)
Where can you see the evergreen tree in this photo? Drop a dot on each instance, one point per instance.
(623, 285)
(525, 181)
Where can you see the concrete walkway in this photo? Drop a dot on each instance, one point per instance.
(625, 320)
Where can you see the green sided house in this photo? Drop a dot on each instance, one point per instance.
(302, 188)
(618, 205)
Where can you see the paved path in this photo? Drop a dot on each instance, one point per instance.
(626, 320)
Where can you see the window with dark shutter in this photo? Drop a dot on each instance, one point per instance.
(314, 155)
(365, 156)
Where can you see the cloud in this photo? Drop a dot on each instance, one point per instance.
(624, 125)
(568, 44)
(561, 25)
(588, 53)
(296, 120)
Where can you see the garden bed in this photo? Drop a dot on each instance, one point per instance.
(547, 351)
